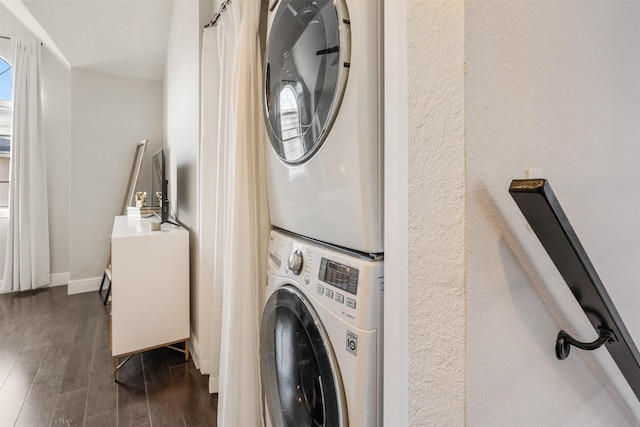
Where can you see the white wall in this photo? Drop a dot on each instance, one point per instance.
(435, 32)
(182, 128)
(553, 85)
(109, 116)
(92, 123)
(55, 115)
(56, 106)
(396, 351)
(182, 109)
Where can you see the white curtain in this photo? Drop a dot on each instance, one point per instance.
(235, 209)
(27, 264)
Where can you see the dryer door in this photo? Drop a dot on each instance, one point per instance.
(300, 374)
(306, 68)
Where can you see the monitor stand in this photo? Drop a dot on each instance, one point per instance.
(166, 220)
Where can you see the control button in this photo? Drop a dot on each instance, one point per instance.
(329, 293)
(339, 298)
(295, 262)
(352, 343)
(306, 279)
(351, 303)
(320, 289)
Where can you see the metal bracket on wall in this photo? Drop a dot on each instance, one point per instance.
(542, 210)
(565, 341)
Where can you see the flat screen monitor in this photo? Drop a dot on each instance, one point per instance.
(159, 185)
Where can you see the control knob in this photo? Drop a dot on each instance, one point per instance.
(295, 262)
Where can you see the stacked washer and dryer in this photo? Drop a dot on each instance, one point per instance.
(321, 332)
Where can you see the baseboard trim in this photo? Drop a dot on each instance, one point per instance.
(84, 285)
(59, 279)
(55, 279)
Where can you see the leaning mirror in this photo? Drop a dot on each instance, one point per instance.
(134, 175)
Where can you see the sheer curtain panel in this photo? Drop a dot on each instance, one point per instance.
(233, 170)
(27, 264)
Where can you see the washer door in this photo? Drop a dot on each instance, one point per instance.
(299, 370)
(306, 68)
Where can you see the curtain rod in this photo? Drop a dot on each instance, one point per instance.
(9, 38)
(217, 15)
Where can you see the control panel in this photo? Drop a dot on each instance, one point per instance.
(350, 286)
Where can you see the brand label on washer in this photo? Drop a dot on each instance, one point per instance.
(352, 343)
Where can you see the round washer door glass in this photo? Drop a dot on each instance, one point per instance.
(299, 370)
(307, 63)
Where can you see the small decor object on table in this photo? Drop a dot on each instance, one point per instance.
(141, 199)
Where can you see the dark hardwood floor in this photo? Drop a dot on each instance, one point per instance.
(56, 369)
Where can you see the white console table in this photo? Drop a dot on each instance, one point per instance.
(150, 288)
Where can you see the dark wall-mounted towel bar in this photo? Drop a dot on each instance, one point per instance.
(542, 210)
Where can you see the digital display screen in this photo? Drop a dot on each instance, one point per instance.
(339, 275)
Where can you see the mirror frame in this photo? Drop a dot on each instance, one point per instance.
(134, 175)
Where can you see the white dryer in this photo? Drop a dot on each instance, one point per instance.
(320, 339)
(323, 114)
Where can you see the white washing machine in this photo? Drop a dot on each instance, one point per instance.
(323, 114)
(321, 339)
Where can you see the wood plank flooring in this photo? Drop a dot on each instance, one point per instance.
(56, 369)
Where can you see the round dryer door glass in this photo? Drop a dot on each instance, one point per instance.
(299, 370)
(307, 63)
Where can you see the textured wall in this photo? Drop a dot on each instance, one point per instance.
(436, 212)
(552, 85)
